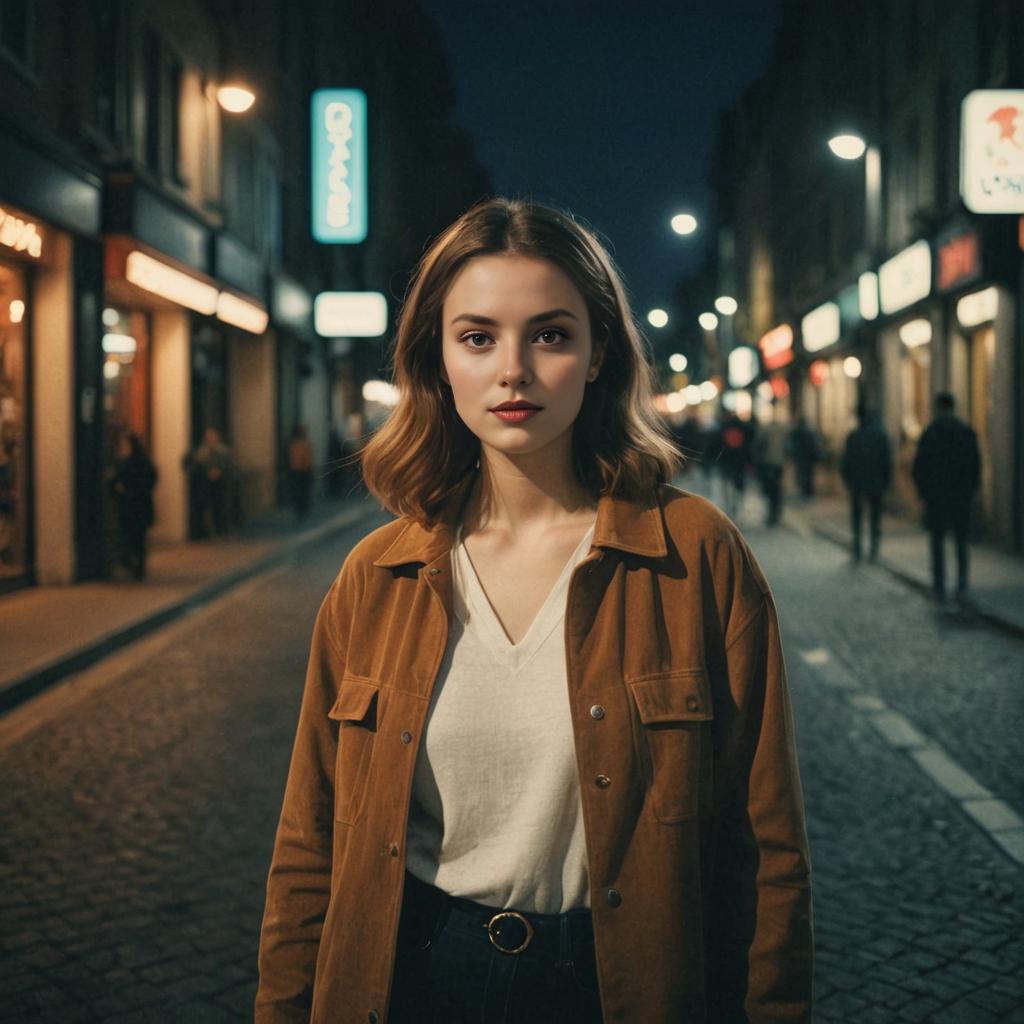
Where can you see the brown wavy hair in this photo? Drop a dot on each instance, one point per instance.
(423, 452)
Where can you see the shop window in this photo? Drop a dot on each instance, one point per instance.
(17, 23)
(105, 71)
(151, 73)
(126, 392)
(175, 84)
(13, 426)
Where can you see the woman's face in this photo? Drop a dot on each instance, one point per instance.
(516, 330)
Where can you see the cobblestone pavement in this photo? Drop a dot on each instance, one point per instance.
(139, 802)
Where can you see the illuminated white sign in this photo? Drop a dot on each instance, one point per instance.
(743, 366)
(339, 165)
(906, 278)
(119, 344)
(20, 235)
(241, 313)
(978, 307)
(992, 151)
(350, 314)
(820, 328)
(867, 294)
(154, 276)
(777, 347)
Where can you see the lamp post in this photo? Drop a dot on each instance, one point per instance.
(850, 146)
(684, 223)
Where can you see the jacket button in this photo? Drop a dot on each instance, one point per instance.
(597, 712)
(407, 736)
(373, 1017)
(433, 572)
(692, 703)
(603, 781)
(614, 898)
(393, 849)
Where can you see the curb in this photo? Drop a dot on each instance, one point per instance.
(30, 684)
(981, 610)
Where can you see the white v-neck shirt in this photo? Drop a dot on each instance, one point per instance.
(496, 815)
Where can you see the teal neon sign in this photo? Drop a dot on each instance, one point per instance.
(339, 165)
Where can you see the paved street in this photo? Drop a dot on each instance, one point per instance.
(139, 801)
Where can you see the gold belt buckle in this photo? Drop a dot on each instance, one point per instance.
(494, 930)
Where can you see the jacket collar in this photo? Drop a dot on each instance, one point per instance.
(633, 526)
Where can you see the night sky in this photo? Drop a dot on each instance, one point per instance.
(607, 109)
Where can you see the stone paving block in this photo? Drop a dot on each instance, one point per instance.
(961, 1012)
(994, 1001)
(920, 1010)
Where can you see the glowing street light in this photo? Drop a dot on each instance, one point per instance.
(726, 305)
(708, 321)
(684, 223)
(657, 318)
(236, 99)
(847, 146)
(677, 362)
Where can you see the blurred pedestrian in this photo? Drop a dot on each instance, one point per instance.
(131, 483)
(734, 460)
(335, 469)
(210, 468)
(947, 472)
(300, 470)
(546, 608)
(805, 452)
(866, 469)
(769, 450)
(690, 438)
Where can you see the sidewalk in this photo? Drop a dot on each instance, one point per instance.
(47, 633)
(996, 589)
(996, 577)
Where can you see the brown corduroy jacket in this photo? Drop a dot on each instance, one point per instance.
(697, 851)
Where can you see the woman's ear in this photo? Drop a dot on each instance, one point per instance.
(595, 364)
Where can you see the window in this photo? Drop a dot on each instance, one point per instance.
(151, 78)
(105, 71)
(175, 82)
(17, 21)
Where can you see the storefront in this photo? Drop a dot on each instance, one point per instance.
(15, 389)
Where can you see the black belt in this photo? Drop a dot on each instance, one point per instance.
(511, 931)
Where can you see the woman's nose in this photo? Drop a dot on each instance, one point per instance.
(516, 368)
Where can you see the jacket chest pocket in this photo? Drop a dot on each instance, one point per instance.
(356, 711)
(675, 712)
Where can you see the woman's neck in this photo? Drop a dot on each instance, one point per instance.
(524, 495)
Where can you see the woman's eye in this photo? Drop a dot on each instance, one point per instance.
(475, 339)
(552, 335)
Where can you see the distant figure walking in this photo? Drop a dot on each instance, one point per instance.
(866, 470)
(210, 466)
(770, 460)
(947, 471)
(300, 470)
(805, 452)
(733, 460)
(131, 484)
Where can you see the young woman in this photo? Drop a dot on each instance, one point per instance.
(544, 768)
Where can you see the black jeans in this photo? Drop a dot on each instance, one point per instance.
(448, 972)
(874, 500)
(959, 530)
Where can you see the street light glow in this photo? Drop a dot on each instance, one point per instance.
(847, 146)
(852, 367)
(657, 318)
(684, 223)
(235, 99)
(708, 321)
(726, 305)
(677, 362)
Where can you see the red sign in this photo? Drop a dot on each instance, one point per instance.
(777, 347)
(959, 261)
(818, 372)
(780, 387)
(1020, 234)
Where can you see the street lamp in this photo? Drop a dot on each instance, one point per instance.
(708, 321)
(726, 305)
(677, 362)
(684, 223)
(657, 318)
(235, 98)
(850, 146)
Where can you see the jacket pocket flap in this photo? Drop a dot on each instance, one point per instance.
(355, 697)
(682, 696)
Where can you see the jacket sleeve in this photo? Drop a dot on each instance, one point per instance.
(298, 887)
(760, 952)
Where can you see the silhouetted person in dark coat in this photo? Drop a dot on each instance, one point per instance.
(866, 470)
(803, 450)
(132, 485)
(947, 471)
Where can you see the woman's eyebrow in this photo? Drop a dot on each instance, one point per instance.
(475, 318)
